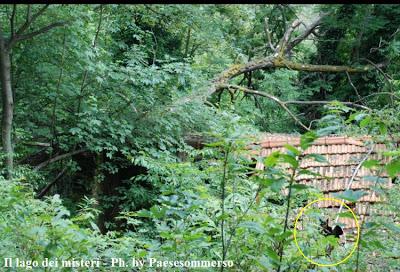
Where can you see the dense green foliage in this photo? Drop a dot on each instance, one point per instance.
(118, 154)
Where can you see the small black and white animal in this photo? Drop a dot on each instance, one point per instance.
(328, 230)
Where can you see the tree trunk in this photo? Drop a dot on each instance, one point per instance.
(8, 107)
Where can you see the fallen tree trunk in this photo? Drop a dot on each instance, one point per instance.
(58, 158)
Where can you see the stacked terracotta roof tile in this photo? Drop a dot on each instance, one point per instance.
(343, 154)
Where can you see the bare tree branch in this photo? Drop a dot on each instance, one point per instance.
(49, 185)
(37, 32)
(268, 34)
(286, 37)
(276, 60)
(274, 98)
(309, 30)
(31, 19)
(283, 104)
(58, 158)
(31, 155)
(380, 93)
(37, 144)
(127, 100)
(354, 87)
(86, 72)
(323, 102)
(378, 67)
(283, 63)
(385, 75)
(28, 13)
(12, 20)
(96, 36)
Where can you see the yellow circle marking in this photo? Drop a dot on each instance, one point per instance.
(301, 213)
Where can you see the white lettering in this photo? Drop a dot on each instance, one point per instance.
(152, 261)
(137, 263)
(7, 262)
(117, 262)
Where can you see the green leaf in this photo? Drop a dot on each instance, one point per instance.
(143, 213)
(391, 153)
(272, 159)
(393, 227)
(369, 225)
(265, 263)
(265, 182)
(292, 149)
(253, 226)
(290, 159)
(350, 195)
(370, 163)
(308, 172)
(330, 240)
(383, 128)
(375, 179)
(357, 116)
(285, 235)
(216, 144)
(393, 168)
(75, 131)
(300, 186)
(328, 130)
(360, 116)
(317, 158)
(375, 244)
(346, 214)
(365, 121)
(277, 185)
(307, 139)
(272, 254)
(94, 227)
